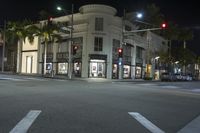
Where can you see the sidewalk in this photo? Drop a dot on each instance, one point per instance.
(64, 77)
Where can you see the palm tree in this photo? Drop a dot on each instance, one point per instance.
(18, 31)
(46, 30)
(185, 35)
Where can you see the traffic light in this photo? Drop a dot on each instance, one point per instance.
(164, 25)
(74, 49)
(50, 19)
(120, 52)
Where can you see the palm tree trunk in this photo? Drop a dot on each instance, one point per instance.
(45, 57)
(184, 62)
(19, 56)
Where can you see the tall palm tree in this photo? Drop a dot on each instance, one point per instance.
(185, 35)
(18, 31)
(46, 30)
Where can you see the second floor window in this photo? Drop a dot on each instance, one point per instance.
(98, 44)
(98, 24)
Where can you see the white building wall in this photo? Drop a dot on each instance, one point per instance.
(84, 26)
(29, 50)
(27, 46)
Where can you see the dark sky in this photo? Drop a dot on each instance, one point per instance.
(184, 13)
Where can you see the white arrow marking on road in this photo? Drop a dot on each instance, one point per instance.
(146, 123)
(192, 127)
(25, 123)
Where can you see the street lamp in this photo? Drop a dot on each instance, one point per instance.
(71, 37)
(138, 15)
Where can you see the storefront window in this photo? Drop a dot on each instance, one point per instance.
(62, 68)
(97, 68)
(115, 71)
(49, 68)
(77, 69)
(138, 72)
(126, 71)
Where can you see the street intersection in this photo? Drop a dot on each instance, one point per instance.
(38, 105)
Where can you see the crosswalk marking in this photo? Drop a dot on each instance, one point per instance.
(26, 122)
(192, 127)
(146, 123)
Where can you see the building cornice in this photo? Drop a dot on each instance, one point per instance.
(97, 8)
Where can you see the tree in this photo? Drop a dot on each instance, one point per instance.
(185, 35)
(153, 18)
(46, 31)
(184, 57)
(198, 60)
(18, 32)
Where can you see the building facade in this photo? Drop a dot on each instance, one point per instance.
(97, 36)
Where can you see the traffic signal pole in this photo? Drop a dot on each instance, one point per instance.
(120, 58)
(129, 33)
(70, 45)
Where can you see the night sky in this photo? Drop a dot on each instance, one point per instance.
(184, 13)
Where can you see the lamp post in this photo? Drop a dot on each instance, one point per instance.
(71, 38)
(156, 68)
(120, 58)
(125, 33)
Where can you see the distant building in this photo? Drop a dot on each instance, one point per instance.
(97, 36)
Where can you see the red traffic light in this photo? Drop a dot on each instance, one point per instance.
(120, 52)
(50, 18)
(164, 25)
(74, 49)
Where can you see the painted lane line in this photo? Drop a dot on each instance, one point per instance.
(146, 123)
(192, 127)
(25, 123)
(196, 90)
(170, 87)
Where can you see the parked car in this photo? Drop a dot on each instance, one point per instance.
(188, 77)
(167, 77)
(183, 77)
(178, 77)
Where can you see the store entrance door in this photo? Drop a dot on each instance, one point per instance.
(29, 62)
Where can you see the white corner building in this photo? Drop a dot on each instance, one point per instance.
(97, 36)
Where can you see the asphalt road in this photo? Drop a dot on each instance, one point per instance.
(97, 107)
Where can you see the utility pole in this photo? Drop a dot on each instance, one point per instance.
(71, 38)
(148, 54)
(71, 43)
(184, 61)
(120, 59)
